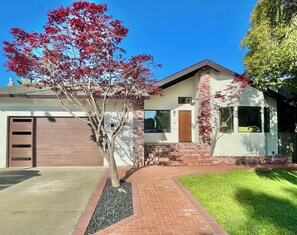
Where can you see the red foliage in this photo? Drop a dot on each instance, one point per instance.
(208, 102)
(80, 45)
(204, 114)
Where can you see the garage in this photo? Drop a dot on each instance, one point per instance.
(51, 141)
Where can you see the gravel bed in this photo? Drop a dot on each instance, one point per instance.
(112, 207)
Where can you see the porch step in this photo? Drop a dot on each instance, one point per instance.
(197, 160)
(192, 151)
(178, 154)
(193, 154)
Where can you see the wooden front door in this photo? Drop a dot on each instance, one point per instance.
(20, 150)
(185, 126)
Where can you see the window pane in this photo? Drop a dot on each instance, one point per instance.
(184, 100)
(266, 119)
(150, 121)
(249, 119)
(226, 121)
(163, 120)
(156, 121)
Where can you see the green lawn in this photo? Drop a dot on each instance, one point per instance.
(249, 203)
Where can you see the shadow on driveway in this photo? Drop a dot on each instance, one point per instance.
(11, 177)
(48, 204)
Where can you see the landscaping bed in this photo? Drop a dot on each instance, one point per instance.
(114, 205)
(249, 202)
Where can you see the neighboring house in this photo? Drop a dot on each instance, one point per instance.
(35, 130)
(287, 124)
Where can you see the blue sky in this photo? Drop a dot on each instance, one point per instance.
(177, 33)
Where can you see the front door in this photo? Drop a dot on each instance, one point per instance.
(20, 150)
(184, 125)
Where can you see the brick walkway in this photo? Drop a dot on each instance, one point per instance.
(161, 205)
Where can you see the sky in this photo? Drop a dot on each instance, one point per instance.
(177, 33)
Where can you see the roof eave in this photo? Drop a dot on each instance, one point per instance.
(192, 70)
(146, 97)
(28, 96)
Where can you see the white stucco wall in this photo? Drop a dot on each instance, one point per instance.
(272, 136)
(51, 107)
(247, 144)
(170, 102)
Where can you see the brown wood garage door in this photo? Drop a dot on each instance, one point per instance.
(53, 142)
(20, 143)
(65, 142)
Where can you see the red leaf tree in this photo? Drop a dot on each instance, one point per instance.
(208, 118)
(78, 56)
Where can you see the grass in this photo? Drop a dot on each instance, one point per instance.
(249, 203)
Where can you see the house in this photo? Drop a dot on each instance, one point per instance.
(171, 129)
(35, 130)
(287, 123)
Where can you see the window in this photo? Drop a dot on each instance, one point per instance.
(266, 119)
(226, 119)
(21, 145)
(21, 133)
(22, 120)
(249, 119)
(184, 100)
(156, 121)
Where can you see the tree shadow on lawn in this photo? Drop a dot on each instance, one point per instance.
(291, 191)
(279, 212)
(289, 175)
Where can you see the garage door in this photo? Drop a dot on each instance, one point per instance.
(59, 141)
(20, 149)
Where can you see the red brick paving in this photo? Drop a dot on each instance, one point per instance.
(161, 205)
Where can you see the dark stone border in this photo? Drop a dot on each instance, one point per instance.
(112, 207)
(84, 220)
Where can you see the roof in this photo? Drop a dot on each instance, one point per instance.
(26, 91)
(45, 92)
(35, 92)
(280, 97)
(191, 71)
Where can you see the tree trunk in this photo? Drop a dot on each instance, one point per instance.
(113, 166)
(213, 143)
(212, 147)
(115, 181)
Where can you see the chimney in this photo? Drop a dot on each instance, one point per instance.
(10, 82)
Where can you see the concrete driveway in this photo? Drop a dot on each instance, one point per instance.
(45, 200)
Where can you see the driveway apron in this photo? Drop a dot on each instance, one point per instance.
(45, 200)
